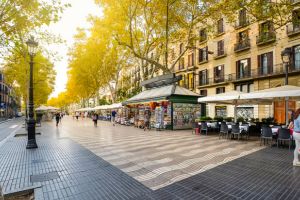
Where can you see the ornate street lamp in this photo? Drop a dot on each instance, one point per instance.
(32, 49)
(286, 58)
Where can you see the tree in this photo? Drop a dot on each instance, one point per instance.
(16, 70)
(152, 27)
(19, 17)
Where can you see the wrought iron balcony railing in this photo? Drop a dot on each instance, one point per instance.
(242, 45)
(293, 29)
(265, 38)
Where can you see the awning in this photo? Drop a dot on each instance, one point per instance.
(109, 107)
(45, 108)
(169, 92)
(293, 92)
(226, 98)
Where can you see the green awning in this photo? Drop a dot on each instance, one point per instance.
(172, 92)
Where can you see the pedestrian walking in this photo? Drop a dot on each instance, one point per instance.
(147, 117)
(113, 117)
(57, 118)
(95, 119)
(296, 135)
(77, 115)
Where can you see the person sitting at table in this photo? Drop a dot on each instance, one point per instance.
(296, 135)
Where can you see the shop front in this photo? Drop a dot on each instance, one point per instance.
(166, 107)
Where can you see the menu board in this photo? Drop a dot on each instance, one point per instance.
(184, 115)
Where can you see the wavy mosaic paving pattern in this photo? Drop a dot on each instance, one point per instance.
(158, 159)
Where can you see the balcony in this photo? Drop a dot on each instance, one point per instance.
(243, 75)
(219, 79)
(257, 73)
(242, 45)
(215, 81)
(203, 82)
(293, 29)
(265, 38)
(260, 72)
(220, 54)
(241, 23)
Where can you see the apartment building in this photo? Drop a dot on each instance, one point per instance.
(9, 104)
(244, 57)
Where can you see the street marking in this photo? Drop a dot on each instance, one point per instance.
(13, 126)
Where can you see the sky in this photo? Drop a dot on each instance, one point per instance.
(72, 18)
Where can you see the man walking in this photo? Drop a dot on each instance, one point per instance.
(113, 117)
(57, 118)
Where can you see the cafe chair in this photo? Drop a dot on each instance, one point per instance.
(235, 130)
(266, 135)
(204, 128)
(284, 135)
(195, 128)
(223, 130)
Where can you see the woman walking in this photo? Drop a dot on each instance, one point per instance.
(296, 135)
(95, 119)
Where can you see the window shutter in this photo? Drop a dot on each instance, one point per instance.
(206, 50)
(249, 66)
(293, 59)
(238, 69)
(222, 45)
(200, 55)
(222, 71)
(259, 70)
(270, 62)
(193, 59)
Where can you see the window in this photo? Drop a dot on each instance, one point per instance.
(243, 41)
(220, 26)
(220, 90)
(191, 60)
(221, 111)
(203, 56)
(181, 63)
(181, 48)
(243, 36)
(296, 57)
(203, 92)
(242, 20)
(203, 77)
(203, 35)
(243, 68)
(265, 29)
(245, 87)
(190, 79)
(220, 45)
(219, 74)
(265, 63)
(296, 18)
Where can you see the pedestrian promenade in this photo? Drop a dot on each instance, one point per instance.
(79, 161)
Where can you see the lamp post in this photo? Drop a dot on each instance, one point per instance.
(31, 143)
(286, 57)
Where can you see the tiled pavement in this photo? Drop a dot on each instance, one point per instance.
(127, 163)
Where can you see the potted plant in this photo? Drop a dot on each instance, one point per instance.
(205, 118)
(240, 119)
(218, 119)
(228, 119)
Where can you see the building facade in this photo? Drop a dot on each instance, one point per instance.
(244, 57)
(9, 103)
